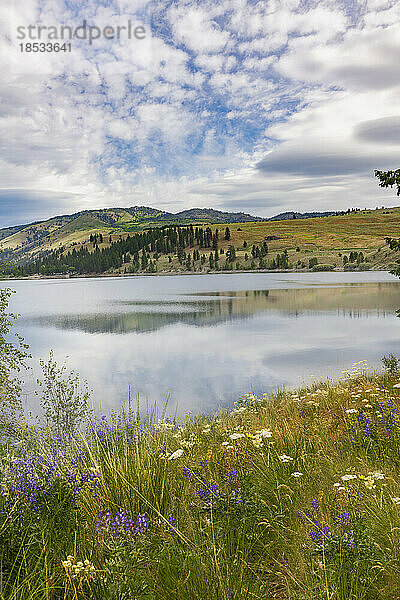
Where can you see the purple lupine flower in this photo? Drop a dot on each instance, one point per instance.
(187, 473)
(207, 490)
(367, 430)
(142, 524)
(237, 496)
(121, 524)
(343, 518)
(172, 523)
(231, 476)
(350, 539)
(320, 532)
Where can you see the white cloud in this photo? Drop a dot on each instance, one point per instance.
(194, 27)
(183, 117)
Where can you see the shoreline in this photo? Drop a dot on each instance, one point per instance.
(174, 273)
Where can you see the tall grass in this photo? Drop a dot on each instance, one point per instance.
(290, 496)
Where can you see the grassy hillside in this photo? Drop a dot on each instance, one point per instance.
(28, 241)
(327, 241)
(294, 495)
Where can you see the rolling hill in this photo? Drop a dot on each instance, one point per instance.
(23, 242)
(305, 236)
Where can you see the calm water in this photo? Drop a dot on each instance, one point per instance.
(206, 340)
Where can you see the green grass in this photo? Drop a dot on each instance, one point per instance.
(244, 526)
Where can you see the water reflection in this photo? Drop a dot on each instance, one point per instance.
(206, 340)
(205, 309)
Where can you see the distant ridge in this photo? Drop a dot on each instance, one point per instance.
(296, 215)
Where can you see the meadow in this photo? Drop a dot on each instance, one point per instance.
(292, 495)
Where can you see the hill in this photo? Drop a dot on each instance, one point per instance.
(106, 241)
(23, 242)
(296, 215)
(351, 241)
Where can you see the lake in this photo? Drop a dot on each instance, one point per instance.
(205, 340)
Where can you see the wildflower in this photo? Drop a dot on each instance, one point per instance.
(187, 473)
(396, 500)
(203, 462)
(187, 443)
(377, 475)
(343, 518)
(231, 476)
(236, 436)
(237, 496)
(172, 523)
(284, 458)
(320, 532)
(349, 537)
(79, 568)
(265, 433)
(67, 564)
(369, 483)
(239, 410)
(207, 490)
(177, 454)
(348, 477)
(351, 411)
(257, 441)
(396, 385)
(297, 474)
(339, 487)
(225, 443)
(141, 525)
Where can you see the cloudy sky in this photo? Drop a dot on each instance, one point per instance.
(238, 105)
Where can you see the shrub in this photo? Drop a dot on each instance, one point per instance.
(65, 401)
(323, 268)
(13, 357)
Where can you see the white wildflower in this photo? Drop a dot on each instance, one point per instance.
(239, 410)
(396, 500)
(236, 436)
(351, 411)
(348, 477)
(265, 433)
(397, 385)
(177, 454)
(284, 458)
(297, 474)
(369, 483)
(377, 476)
(257, 441)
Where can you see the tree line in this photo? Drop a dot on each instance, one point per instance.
(135, 249)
